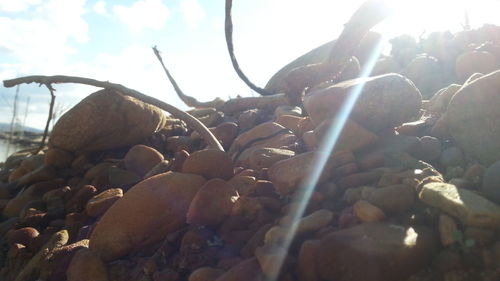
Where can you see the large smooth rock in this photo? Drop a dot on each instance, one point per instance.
(106, 119)
(491, 182)
(470, 208)
(472, 117)
(385, 101)
(375, 252)
(147, 213)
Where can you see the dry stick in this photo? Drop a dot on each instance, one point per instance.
(188, 100)
(51, 110)
(229, 41)
(184, 116)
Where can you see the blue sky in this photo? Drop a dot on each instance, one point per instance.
(112, 40)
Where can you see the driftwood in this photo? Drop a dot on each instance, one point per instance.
(51, 111)
(184, 116)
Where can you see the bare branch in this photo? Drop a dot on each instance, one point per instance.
(188, 100)
(184, 116)
(51, 110)
(229, 41)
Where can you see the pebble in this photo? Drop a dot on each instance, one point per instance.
(101, 202)
(447, 230)
(491, 182)
(367, 212)
(141, 159)
(209, 163)
(212, 203)
(452, 157)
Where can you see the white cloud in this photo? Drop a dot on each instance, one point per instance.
(100, 8)
(17, 5)
(143, 14)
(193, 12)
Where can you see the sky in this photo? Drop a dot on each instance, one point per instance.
(112, 40)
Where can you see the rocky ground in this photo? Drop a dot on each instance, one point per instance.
(411, 190)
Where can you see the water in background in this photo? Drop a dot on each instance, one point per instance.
(7, 149)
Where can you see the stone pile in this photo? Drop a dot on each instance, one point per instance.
(411, 190)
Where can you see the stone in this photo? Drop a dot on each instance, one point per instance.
(470, 208)
(367, 212)
(480, 236)
(375, 252)
(101, 202)
(120, 177)
(472, 118)
(86, 265)
(22, 236)
(353, 137)
(452, 157)
(291, 122)
(426, 73)
(212, 203)
(209, 163)
(265, 157)
(42, 173)
(78, 201)
(146, 214)
(140, 159)
(226, 133)
(491, 182)
(472, 62)
(106, 119)
(288, 174)
(430, 148)
(246, 270)
(58, 158)
(306, 265)
(439, 102)
(384, 197)
(287, 110)
(447, 229)
(205, 274)
(385, 101)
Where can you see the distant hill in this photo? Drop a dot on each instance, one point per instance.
(5, 127)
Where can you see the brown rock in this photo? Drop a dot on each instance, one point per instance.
(472, 62)
(22, 236)
(101, 202)
(306, 267)
(246, 270)
(265, 157)
(472, 118)
(367, 212)
(383, 197)
(426, 73)
(290, 122)
(86, 265)
(147, 213)
(106, 119)
(205, 274)
(79, 200)
(226, 133)
(439, 102)
(386, 101)
(58, 158)
(375, 252)
(42, 173)
(209, 163)
(141, 159)
(271, 259)
(212, 203)
(447, 228)
(353, 137)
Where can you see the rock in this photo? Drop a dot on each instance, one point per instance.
(430, 148)
(375, 252)
(288, 174)
(480, 236)
(426, 73)
(205, 274)
(474, 174)
(447, 229)
(472, 62)
(306, 266)
(42, 173)
(101, 202)
(86, 265)
(209, 163)
(491, 182)
(439, 102)
(271, 259)
(367, 212)
(452, 157)
(58, 158)
(472, 118)
(246, 270)
(160, 168)
(470, 208)
(79, 200)
(22, 236)
(353, 137)
(385, 102)
(226, 133)
(265, 157)
(106, 119)
(140, 159)
(212, 203)
(120, 177)
(383, 197)
(147, 213)
(287, 110)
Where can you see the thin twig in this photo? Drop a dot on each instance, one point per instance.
(51, 110)
(188, 100)
(184, 116)
(229, 41)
